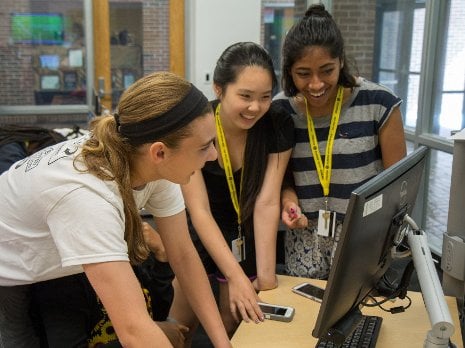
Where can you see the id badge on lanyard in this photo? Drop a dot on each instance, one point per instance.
(326, 217)
(238, 244)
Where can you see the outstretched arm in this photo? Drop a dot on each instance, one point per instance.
(266, 220)
(116, 285)
(187, 266)
(242, 295)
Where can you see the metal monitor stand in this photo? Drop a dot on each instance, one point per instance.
(442, 327)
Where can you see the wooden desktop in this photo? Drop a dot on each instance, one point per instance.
(407, 329)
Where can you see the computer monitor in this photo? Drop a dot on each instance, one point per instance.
(70, 80)
(49, 81)
(374, 217)
(49, 61)
(128, 78)
(37, 28)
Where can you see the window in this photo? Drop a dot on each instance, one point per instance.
(450, 88)
(420, 54)
(39, 55)
(278, 18)
(398, 51)
(398, 64)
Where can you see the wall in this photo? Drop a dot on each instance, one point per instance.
(156, 35)
(16, 73)
(356, 20)
(211, 26)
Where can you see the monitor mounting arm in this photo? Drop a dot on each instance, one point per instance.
(442, 326)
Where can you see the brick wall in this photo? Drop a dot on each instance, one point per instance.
(356, 20)
(300, 7)
(358, 30)
(156, 35)
(16, 77)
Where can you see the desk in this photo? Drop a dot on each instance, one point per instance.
(407, 329)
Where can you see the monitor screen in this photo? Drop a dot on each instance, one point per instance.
(128, 79)
(373, 218)
(37, 28)
(49, 61)
(70, 80)
(50, 82)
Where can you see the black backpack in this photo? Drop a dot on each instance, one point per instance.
(18, 142)
(34, 138)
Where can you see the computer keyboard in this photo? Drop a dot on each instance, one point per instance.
(365, 334)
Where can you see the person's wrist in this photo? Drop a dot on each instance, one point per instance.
(267, 282)
(287, 203)
(233, 272)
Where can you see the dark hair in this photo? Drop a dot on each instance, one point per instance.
(231, 63)
(237, 57)
(108, 154)
(316, 28)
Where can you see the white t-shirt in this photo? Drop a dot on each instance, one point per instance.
(54, 218)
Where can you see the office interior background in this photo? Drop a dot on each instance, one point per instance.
(49, 75)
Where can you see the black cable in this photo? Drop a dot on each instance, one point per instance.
(386, 288)
(393, 310)
(405, 280)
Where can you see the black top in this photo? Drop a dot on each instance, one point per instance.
(278, 129)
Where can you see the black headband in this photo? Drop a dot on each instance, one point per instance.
(189, 108)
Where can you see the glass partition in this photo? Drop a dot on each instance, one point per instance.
(449, 112)
(43, 53)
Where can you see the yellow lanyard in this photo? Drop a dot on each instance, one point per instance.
(227, 167)
(324, 172)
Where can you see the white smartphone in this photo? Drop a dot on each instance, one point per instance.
(309, 290)
(277, 312)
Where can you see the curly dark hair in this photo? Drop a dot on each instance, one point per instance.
(316, 28)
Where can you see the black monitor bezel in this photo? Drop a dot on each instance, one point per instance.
(336, 305)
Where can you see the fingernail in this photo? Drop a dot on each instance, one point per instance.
(293, 213)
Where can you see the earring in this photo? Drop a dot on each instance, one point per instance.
(299, 98)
